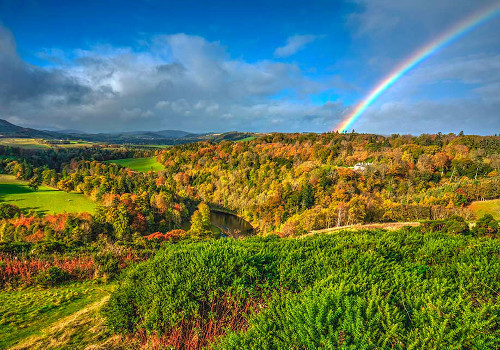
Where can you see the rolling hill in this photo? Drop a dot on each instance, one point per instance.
(8, 129)
(160, 137)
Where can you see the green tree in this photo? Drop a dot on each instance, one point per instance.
(196, 224)
(205, 215)
(34, 183)
(307, 196)
(121, 223)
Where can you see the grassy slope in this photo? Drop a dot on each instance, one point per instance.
(486, 207)
(139, 164)
(45, 200)
(27, 315)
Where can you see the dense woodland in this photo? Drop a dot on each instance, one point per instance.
(296, 183)
(282, 183)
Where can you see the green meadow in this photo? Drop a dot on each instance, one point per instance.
(249, 138)
(139, 164)
(45, 200)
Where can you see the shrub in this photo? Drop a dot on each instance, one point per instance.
(52, 277)
(456, 225)
(486, 225)
(9, 211)
(108, 264)
(49, 247)
(453, 225)
(365, 289)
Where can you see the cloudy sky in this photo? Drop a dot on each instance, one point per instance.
(261, 66)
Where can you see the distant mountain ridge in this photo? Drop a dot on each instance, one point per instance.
(8, 129)
(162, 137)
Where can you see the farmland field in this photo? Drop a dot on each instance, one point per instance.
(41, 144)
(486, 207)
(139, 164)
(45, 200)
(23, 143)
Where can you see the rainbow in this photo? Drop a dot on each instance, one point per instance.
(455, 32)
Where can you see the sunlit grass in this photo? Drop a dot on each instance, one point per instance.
(45, 200)
(139, 164)
(486, 207)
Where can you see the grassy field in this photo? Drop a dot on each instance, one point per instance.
(31, 315)
(23, 143)
(486, 207)
(249, 138)
(139, 164)
(40, 144)
(45, 200)
(74, 144)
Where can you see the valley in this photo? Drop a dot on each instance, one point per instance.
(212, 244)
(250, 175)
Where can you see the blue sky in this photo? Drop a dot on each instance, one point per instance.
(265, 66)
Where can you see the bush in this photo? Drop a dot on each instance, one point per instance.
(456, 225)
(365, 289)
(453, 225)
(15, 248)
(9, 211)
(108, 264)
(486, 225)
(52, 277)
(49, 248)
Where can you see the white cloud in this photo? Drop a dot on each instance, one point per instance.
(178, 81)
(294, 44)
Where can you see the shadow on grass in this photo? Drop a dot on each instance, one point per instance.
(6, 190)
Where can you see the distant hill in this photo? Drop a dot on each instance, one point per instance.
(69, 131)
(161, 137)
(8, 129)
(173, 134)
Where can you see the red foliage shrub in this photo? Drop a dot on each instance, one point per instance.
(23, 270)
(171, 235)
(25, 221)
(38, 236)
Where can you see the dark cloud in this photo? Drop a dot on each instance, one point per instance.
(22, 82)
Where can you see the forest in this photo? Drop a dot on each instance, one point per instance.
(175, 278)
